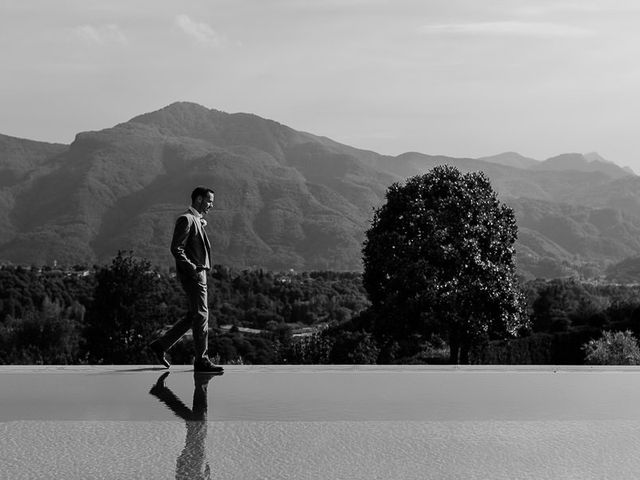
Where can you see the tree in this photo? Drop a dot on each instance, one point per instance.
(127, 309)
(613, 348)
(439, 258)
(48, 335)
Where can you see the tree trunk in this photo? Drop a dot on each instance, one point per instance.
(454, 347)
(464, 353)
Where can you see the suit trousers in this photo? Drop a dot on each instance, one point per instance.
(197, 317)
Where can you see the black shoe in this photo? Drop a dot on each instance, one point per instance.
(159, 385)
(206, 366)
(160, 353)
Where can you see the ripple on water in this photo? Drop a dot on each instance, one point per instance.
(321, 450)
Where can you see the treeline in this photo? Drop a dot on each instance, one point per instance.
(108, 315)
(565, 315)
(42, 315)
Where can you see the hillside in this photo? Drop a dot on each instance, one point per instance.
(21, 163)
(591, 162)
(511, 159)
(285, 199)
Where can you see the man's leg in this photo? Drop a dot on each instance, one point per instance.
(174, 334)
(196, 318)
(199, 315)
(200, 327)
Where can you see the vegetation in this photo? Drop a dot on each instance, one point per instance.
(613, 348)
(438, 260)
(625, 271)
(565, 314)
(46, 317)
(108, 314)
(128, 307)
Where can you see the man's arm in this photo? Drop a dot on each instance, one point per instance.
(180, 235)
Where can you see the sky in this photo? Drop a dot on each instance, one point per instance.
(462, 78)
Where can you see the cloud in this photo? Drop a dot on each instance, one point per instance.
(201, 33)
(508, 28)
(577, 7)
(541, 8)
(101, 34)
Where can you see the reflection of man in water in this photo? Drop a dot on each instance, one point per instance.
(192, 462)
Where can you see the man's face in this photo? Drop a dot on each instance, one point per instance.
(203, 204)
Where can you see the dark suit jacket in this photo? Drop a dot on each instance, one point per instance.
(190, 245)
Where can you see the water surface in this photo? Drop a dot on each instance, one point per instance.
(320, 423)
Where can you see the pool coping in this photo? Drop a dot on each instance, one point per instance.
(24, 369)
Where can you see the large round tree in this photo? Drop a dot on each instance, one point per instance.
(439, 259)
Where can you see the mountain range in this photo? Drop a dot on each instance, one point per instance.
(285, 199)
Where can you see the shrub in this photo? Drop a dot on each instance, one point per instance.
(613, 348)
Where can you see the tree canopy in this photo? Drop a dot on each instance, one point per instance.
(127, 309)
(439, 259)
(49, 316)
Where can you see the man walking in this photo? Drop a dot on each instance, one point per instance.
(191, 248)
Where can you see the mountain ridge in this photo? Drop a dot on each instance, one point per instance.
(286, 199)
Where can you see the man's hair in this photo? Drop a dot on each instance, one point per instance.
(200, 192)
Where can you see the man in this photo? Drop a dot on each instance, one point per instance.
(191, 248)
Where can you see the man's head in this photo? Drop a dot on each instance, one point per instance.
(202, 199)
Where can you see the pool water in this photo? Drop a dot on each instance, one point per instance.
(320, 423)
